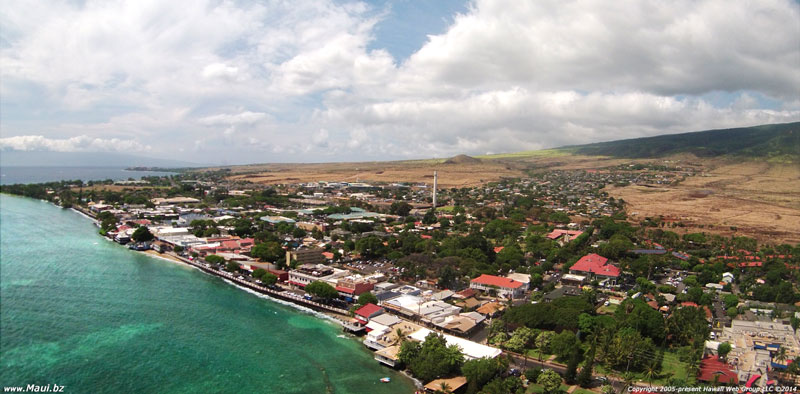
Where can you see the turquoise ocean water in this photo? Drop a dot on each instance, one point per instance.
(90, 315)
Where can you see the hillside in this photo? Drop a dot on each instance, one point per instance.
(778, 142)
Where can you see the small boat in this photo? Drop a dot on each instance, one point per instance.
(385, 380)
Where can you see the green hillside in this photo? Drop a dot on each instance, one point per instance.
(778, 142)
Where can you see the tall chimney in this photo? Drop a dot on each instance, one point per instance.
(435, 181)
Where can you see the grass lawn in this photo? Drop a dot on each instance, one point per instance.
(671, 367)
(446, 208)
(533, 354)
(607, 310)
(538, 389)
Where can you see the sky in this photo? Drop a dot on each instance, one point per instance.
(235, 82)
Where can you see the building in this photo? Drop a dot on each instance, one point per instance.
(308, 273)
(367, 312)
(563, 237)
(713, 370)
(505, 287)
(305, 256)
(595, 267)
(470, 349)
(352, 286)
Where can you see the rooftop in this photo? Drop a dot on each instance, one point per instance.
(499, 281)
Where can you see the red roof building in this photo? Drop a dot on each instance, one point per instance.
(367, 312)
(564, 235)
(714, 370)
(593, 265)
(505, 287)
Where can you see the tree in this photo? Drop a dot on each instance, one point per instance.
(480, 371)
(550, 381)
(367, 298)
(650, 372)
(322, 290)
(430, 217)
(585, 377)
(214, 259)
(723, 349)
(572, 366)
(687, 324)
(400, 208)
(269, 279)
(142, 234)
(371, 247)
(268, 251)
(232, 266)
(543, 342)
(431, 359)
(795, 323)
(258, 273)
(563, 344)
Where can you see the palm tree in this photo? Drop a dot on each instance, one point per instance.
(627, 377)
(444, 388)
(781, 356)
(650, 371)
(400, 336)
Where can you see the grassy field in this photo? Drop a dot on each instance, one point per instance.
(538, 389)
(671, 368)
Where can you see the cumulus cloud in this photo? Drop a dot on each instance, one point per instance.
(80, 143)
(295, 81)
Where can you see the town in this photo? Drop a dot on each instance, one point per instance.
(538, 284)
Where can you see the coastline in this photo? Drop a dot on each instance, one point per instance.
(321, 311)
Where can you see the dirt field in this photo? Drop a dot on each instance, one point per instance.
(759, 199)
(459, 174)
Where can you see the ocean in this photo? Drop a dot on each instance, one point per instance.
(11, 175)
(87, 314)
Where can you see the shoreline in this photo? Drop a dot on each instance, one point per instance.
(321, 311)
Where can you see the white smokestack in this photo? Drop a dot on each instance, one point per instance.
(435, 184)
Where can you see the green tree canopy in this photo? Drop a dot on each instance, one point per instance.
(214, 259)
(322, 290)
(142, 234)
(432, 359)
(367, 298)
(268, 251)
(550, 381)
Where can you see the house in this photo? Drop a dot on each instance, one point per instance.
(563, 237)
(388, 355)
(505, 287)
(713, 370)
(455, 385)
(367, 312)
(595, 267)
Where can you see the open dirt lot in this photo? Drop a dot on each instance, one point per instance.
(464, 174)
(759, 199)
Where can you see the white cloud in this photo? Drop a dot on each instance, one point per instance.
(274, 80)
(245, 117)
(80, 143)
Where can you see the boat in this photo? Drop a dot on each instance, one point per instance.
(385, 380)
